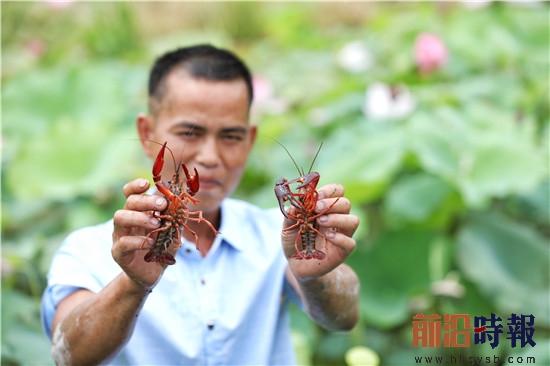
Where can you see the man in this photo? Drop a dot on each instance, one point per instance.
(225, 304)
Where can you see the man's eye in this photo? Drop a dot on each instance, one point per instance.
(187, 133)
(232, 137)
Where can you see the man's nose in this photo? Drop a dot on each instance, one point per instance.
(207, 155)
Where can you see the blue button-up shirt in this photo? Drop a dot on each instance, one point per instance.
(228, 308)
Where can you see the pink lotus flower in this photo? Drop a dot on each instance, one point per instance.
(35, 47)
(265, 100)
(263, 90)
(430, 53)
(59, 4)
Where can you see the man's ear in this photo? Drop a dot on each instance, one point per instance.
(144, 125)
(253, 132)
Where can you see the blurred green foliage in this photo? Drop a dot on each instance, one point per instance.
(453, 195)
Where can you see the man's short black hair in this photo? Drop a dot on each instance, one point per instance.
(202, 62)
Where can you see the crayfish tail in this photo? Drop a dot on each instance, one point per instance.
(150, 257)
(304, 254)
(317, 254)
(163, 258)
(167, 259)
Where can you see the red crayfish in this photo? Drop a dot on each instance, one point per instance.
(174, 219)
(303, 199)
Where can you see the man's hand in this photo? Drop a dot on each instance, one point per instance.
(131, 226)
(338, 226)
(110, 314)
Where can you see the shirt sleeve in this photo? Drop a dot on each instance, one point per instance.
(73, 265)
(71, 270)
(290, 293)
(50, 299)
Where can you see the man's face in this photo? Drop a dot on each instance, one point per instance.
(205, 124)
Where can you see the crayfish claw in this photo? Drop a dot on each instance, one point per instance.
(192, 180)
(309, 179)
(159, 164)
(282, 193)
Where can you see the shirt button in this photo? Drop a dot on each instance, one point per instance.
(203, 281)
(210, 324)
(187, 250)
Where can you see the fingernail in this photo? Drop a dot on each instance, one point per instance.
(142, 183)
(319, 206)
(154, 222)
(159, 202)
(323, 219)
(330, 234)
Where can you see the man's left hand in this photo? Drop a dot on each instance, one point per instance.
(336, 224)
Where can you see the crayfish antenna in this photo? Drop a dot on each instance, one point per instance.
(315, 157)
(300, 171)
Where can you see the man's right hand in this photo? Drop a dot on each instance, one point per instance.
(131, 226)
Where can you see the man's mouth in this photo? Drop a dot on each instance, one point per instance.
(208, 183)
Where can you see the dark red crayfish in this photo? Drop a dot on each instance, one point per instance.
(175, 218)
(303, 198)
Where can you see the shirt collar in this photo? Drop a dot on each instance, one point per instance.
(232, 224)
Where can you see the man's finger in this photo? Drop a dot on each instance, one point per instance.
(331, 190)
(143, 202)
(128, 219)
(137, 186)
(333, 205)
(342, 241)
(128, 244)
(343, 223)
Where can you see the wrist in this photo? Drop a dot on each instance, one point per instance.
(323, 278)
(310, 280)
(135, 287)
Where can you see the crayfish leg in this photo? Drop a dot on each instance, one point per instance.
(195, 236)
(299, 252)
